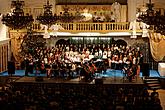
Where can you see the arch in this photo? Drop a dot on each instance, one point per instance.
(121, 42)
(62, 41)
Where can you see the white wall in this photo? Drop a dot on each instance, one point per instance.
(4, 7)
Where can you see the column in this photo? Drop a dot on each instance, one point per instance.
(131, 10)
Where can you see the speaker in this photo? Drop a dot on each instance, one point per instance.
(39, 79)
(145, 69)
(11, 67)
(162, 82)
(98, 81)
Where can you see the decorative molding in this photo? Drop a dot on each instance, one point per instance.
(89, 2)
(4, 41)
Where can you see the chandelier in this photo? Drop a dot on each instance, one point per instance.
(16, 19)
(47, 18)
(78, 16)
(153, 18)
(66, 16)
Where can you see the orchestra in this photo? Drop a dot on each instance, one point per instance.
(68, 60)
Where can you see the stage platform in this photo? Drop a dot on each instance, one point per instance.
(109, 80)
(60, 84)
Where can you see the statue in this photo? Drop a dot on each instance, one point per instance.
(133, 27)
(46, 34)
(116, 9)
(144, 27)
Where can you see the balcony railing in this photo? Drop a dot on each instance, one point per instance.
(101, 27)
(87, 27)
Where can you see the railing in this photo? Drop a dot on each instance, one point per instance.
(122, 26)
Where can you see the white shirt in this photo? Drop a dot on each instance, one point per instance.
(73, 67)
(100, 53)
(109, 53)
(91, 56)
(134, 60)
(105, 55)
(120, 61)
(96, 54)
(124, 59)
(71, 53)
(46, 60)
(87, 52)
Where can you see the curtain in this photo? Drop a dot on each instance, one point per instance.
(157, 46)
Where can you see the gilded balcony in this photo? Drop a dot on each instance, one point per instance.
(105, 27)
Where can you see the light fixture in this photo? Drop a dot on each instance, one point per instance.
(66, 16)
(47, 18)
(153, 18)
(78, 16)
(17, 19)
(87, 16)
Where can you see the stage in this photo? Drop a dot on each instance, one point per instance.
(79, 85)
(109, 80)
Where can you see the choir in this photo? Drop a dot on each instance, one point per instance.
(66, 60)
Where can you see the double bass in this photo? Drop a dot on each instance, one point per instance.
(90, 70)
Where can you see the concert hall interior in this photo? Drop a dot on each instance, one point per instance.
(82, 54)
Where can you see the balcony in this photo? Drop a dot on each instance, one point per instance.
(87, 27)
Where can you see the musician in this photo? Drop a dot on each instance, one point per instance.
(116, 62)
(48, 69)
(86, 70)
(93, 67)
(67, 53)
(100, 53)
(31, 65)
(128, 63)
(120, 63)
(141, 59)
(91, 56)
(124, 60)
(130, 74)
(132, 71)
(55, 69)
(71, 52)
(109, 53)
(105, 54)
(86, 59)
(87, 53)
(92, 70)
(42, 67)
(109, 62)
(96, 54)
(45, 60)
(62, 69)
(113, 63)
(73, 69)
(134, 60)
(36, 66)
(26, 60)
(78, 70)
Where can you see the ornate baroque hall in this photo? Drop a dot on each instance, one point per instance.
(82, 55)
